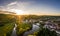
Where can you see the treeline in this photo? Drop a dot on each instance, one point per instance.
(43, 18)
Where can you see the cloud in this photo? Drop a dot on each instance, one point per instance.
(18, 5)
(12, 3)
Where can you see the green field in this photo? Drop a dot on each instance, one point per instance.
(6, 29)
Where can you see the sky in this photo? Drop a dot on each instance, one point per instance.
(38, 7)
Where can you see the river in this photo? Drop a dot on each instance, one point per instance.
(14, 31)
(35, 27)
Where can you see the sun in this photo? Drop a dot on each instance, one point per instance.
(18, 12)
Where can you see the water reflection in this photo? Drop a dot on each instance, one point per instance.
(14, 31)
(35, 27)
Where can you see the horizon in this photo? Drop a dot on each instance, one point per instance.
(13, 13)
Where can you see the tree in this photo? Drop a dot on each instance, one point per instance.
(46, 32)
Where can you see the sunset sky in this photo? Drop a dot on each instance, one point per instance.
(39, 7)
